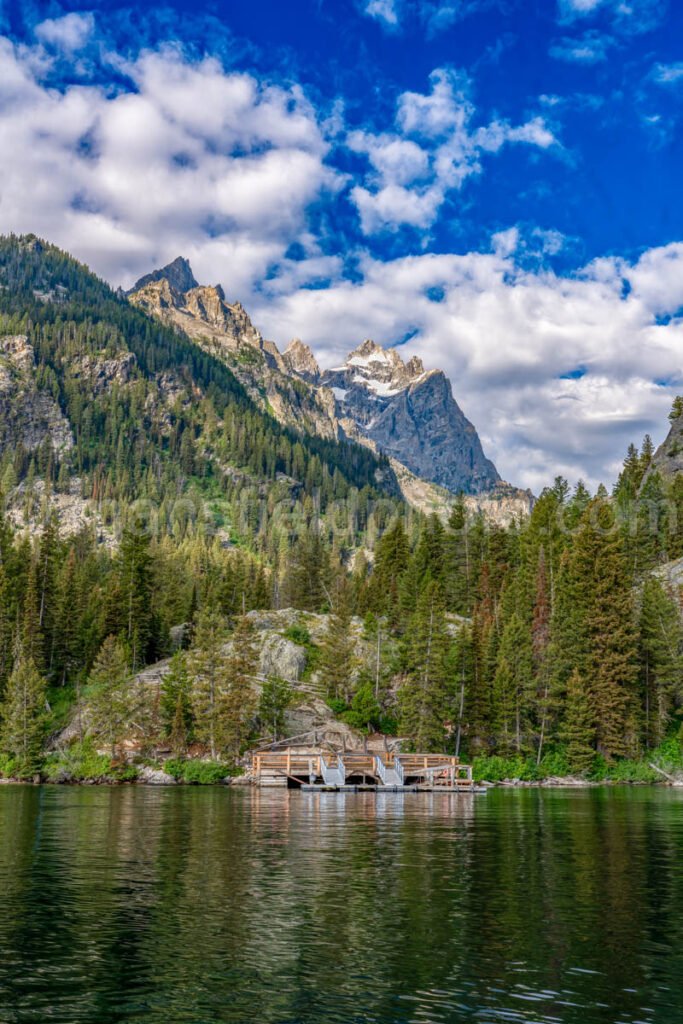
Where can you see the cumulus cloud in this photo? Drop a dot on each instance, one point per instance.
(384, 11)
(559, 373)
(590, 48)
(435, 148)
(629, 17)
(668, 74)
(69, 33)
(190, 159)
(432, 16)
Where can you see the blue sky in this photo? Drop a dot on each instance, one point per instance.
(494, 184)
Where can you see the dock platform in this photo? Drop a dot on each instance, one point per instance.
(354, 771)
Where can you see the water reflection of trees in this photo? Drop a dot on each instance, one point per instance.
(205, 904)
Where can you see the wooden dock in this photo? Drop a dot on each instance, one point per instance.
(353, 770)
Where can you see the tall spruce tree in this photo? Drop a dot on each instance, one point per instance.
(578, 725)
(336, 664)
(23, 716)
(611, 662)
(110, 693)
(208, 667)
(661, 659)
(427, 697)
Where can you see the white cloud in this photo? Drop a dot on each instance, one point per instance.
(557, 373)
(437, 149)
(384, 11)
(590, 48)
(668, 74)
(222, 168)
(69, 33)
(195, 160)
(629, 17)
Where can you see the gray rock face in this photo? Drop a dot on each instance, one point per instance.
(668, 459)
(411, 415)
(155, 777)
(178, 274)
(300, 360)
(225, 330)
(28, 414)
(281, 658)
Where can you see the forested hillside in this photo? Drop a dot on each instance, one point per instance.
(556, 641)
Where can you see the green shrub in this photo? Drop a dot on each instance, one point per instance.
(338, 705)
(623, 770)
(199, 773)
(80, 762)
(669, 754)
(496, 769)
(298, 635)
(554, 764)
(9, 767)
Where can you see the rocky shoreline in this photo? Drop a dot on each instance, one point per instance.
(149, 776)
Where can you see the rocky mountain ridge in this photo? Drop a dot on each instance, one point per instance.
(394, 407)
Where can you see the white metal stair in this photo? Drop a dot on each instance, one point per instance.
(389, 776)
(333, 775)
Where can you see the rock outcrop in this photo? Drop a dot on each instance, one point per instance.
(668, 459)
(29, 414)
(225, 329)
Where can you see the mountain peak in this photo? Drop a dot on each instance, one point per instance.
(178, 273)
(366, 350)
(299, 359)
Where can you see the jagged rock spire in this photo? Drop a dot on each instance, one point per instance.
(178, 274)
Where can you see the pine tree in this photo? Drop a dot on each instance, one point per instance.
(46, 580)
(135, 584)
(427, 696)
(578, 726)
(276, 697)
(208, 667)
(540, 642)
(31, 634)
(6, 636)
(110, 693)
(610, 665)
(175, 705)
(514, 687)
(238, 702)
(23, 716)
(660, 658)
(337, 658)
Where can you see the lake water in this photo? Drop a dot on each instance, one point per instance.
(181, 905)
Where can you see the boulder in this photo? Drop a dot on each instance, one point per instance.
(155, 777)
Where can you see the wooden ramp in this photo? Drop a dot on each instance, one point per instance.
(318, 769)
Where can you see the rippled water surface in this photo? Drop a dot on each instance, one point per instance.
(202, 905)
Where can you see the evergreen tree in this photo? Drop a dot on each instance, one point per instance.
(238, 703)
(609, 621)
(276, 697)
(110, 694)
(514, 687)
(31, 634)
(135, 585)
(578, 726)
(660, 658)
(175, 705)
(426, 697)
(208, 667)
(23, 716)
(337, 659)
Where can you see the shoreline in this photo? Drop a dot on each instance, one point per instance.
(245, 782)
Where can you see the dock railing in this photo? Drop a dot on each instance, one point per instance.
(317, 766)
